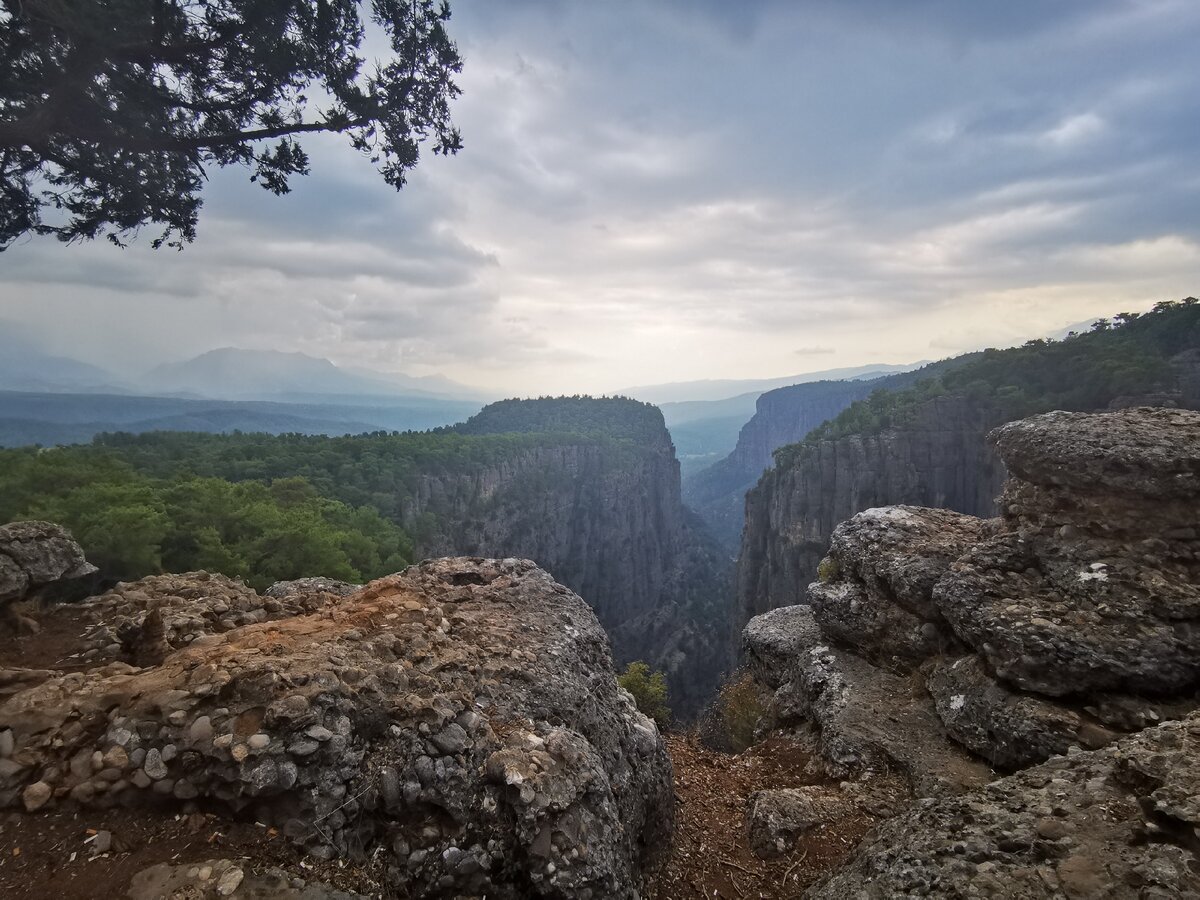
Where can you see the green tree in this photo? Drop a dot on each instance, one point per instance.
(649, 690)
(113, 111)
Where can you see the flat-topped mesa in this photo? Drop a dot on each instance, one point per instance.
(460, 721)
(1093, 583)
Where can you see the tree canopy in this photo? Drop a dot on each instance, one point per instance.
(113, 111)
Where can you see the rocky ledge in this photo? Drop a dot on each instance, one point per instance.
(944, 646)
(457, 725)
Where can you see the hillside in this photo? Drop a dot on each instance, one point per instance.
(925, 445)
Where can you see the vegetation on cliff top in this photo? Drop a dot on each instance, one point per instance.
(271, 507)
(1126, 356)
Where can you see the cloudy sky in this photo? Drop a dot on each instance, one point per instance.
(685, 189)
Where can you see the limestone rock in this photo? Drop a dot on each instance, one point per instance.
(37, 558)
(150, 617)
(779, 818)
(773, 641)
(1118, 823)
(1094, 583)
(1143, 452)
(204, 881)
(1009, 729)
(544, 779)
(299, 586)
(865, 719)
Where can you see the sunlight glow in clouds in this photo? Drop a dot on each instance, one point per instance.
(669, 191)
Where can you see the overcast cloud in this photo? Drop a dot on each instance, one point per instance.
(669, 191)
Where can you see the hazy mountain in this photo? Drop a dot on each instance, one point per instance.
(64, 418)
(725, 388)
(235, 374)
(25, 365)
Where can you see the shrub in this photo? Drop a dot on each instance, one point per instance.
(740, 706)
(828, 570)
(649, 690)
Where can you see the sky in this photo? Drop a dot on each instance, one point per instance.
(690, 189)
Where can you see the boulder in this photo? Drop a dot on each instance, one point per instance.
(38, 559)
(876, 587)
(1093, 585)
(779, 818)
(1120, 822)
(773, 641)
(460, 721)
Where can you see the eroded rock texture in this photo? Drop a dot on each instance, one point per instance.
(36, 558)
(1117, 822)
(461, 718)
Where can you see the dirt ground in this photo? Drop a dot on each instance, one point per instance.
(712, 856)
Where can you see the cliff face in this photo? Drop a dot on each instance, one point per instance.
(606, 519)
(939, 459)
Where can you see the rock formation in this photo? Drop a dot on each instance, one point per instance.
(606, 519)
(1117, 822)
(36, 558)
(457, 727)
(935, 642)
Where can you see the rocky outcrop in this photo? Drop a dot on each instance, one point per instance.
(861, 719)
(1118, 822)
(875, 593)
(457, 725)
(1072, 618)
(37, 558)
(940, 459)
(187, 607)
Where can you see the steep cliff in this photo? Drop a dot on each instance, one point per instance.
(782, 416)
(925, 445)
(605, 517)
(938, 459)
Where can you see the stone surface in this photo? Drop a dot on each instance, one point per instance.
(1093, 584)
(37, 558)
(876, 585)
(774, 641)
(778, 818)
(544, 779)
(864, 719)
(1116, 823)
(302, 586)
(150, 617)
(1009, 729)
(205, 880)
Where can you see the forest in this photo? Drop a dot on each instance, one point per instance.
(1128, 355)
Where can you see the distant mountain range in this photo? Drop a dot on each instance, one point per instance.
(233, 374)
